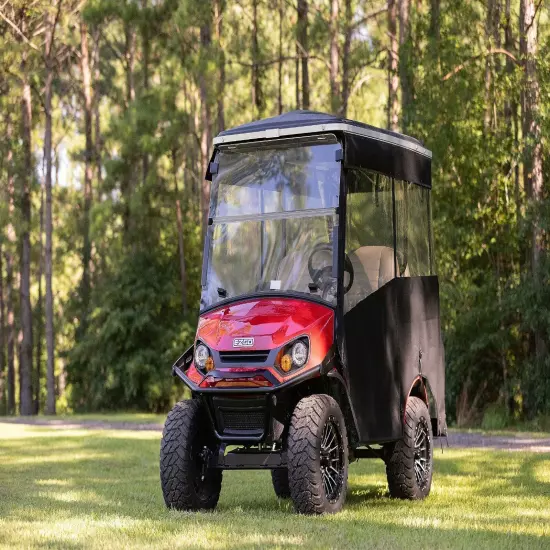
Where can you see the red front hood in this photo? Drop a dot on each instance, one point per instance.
(270, 321)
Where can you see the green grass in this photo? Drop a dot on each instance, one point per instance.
(100, 489)
(130, 417)
(505, 432)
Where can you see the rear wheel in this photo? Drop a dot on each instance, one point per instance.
(279, 477)
(187, 444)
(409, 465)
(317, 455)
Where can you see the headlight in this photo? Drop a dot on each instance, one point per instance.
(299, 353)
(201, 355)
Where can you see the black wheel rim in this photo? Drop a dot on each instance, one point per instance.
(422, 454)
(332, 460)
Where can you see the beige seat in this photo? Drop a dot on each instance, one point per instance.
(373, 267)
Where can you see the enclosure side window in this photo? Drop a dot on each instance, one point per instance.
(414, 247)
(369, 234)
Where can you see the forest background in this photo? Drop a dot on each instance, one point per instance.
(107, 113)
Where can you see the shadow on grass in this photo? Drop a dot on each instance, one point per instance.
(114, 482)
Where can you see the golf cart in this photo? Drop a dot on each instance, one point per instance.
(318, 341)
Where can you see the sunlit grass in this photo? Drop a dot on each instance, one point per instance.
(100, 489)
(130, 417)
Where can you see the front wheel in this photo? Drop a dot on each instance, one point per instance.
(187, 444)
(409, 464)
(279, 477)
(317, 455)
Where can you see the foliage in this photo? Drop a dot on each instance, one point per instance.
(135, 334)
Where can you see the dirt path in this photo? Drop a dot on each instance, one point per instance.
(466, 440)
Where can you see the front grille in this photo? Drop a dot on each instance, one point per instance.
(242, 420)
(244, 357)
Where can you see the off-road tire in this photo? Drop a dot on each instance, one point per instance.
(305, 477)
(186, 432)
(279, 477)
(400, 460)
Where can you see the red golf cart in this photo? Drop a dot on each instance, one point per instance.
(319, 339)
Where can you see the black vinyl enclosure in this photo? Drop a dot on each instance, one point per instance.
(387, 322)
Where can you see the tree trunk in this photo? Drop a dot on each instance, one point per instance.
(48, 259)
(297, 75)
(393, 79)
(435, 20)
(145, 43)
(39, 312)
(11, 334)
(25, 367)
(130, 54)
(345, 58)
(85, 287)
(48, 221)
(405, 62)
(3, 409)
(97, 118)
(335, 97)
(511, 106)
(302, 37)
(206, 41)
(257, 92)
(9, 273)
(219, 8)
(128, 184)
(183, 275)
(281, 7)
(532, 171)
(493, 41)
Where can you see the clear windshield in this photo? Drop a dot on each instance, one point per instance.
(274, 220)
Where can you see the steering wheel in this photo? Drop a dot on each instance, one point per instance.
(322, 276)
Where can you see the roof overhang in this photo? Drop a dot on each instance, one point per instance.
(273, 133)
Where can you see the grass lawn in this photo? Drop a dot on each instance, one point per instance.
(100, 489)
(130, 417)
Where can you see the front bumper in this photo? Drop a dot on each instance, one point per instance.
(245, 415)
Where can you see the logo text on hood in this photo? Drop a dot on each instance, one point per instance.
(243, 342)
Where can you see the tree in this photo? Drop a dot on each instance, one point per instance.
(2, 331)
(405, 62)
(219, 6)
(87, 95)
(257, 92)
(52, 18)
(205, 41)
(8, 254)
(393, 78)
(302, 45)
(335, 97)
(26, 177)
(533, 167)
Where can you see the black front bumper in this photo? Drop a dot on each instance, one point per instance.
(248, 415)
(245, 418)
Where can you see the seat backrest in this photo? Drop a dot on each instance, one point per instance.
(376, 262)
(372, 267)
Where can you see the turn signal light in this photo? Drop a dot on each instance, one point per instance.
(286, 363)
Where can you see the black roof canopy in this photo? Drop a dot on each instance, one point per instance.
(365, 146)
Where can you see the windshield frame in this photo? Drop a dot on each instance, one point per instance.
(335, 212)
